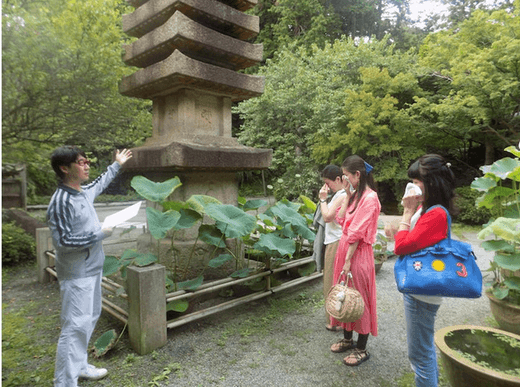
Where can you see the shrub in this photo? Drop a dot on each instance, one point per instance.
(17, 245)
(291, 185)
(469, 213)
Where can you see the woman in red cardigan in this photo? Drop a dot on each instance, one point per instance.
(419, 229)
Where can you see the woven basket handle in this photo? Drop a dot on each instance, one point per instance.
(349, 275)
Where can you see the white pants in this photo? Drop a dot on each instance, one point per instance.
(80, 311)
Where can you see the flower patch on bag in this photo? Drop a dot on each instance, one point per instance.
(417, 265)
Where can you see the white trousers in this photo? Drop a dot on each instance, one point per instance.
(80, 311)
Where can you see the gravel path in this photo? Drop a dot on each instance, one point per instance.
(278, 341)
(296, 352)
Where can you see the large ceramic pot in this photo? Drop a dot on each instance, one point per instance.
(507, 315)
(479, 356)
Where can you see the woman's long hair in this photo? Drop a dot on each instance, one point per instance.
(438, 180)
(353, 164)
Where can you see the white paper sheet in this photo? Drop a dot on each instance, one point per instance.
(121, 216)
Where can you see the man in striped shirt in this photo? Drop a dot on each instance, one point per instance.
(77, 237)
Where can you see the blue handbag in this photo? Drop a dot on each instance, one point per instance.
(448, 268)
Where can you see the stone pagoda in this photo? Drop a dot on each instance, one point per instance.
(190, 53)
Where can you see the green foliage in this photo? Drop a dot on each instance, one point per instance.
(469, 213)
(294, 185)
(504, 201)
(104, 343)
(320, 107)
(165, 374)
(362, 96)
(155, 191)
(178, 306)
(475, 81)
(61, 62)
(301, 22)
(19, 344)
(285, 227)
(130, 257)
(17, 245)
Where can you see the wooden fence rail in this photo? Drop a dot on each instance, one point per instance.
(147, 299)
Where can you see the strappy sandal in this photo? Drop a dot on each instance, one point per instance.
(343, 345)
(359, 356)
(333, 328)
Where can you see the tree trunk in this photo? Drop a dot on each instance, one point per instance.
(490, 151)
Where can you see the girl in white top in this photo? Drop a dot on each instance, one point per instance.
(331, 177)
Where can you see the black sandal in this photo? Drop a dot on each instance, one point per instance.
(343, 345)
(360, 356)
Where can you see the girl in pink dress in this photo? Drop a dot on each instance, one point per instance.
(358, 217)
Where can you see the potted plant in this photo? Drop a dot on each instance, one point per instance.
(380, 251)
(479, 356)
(500, 187)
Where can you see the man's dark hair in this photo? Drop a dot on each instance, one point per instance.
(64, 156)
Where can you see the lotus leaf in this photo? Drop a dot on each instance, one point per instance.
(191, 284)
(231, 220)
(513, 283)
(161, 222)
(220, 260)
(483, 184)
(504, 167)
(275, 246)
(199, 202)
(253, 205)
(110, 266)
(508, 261)
(177, 305)
(104, 343)
(209, 234)
(505, 228)
(145, 260)
(155, 191)
(498, 245)
(242, 273)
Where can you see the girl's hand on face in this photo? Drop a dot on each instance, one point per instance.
(410, 203)
(347, 185)
(324, 192)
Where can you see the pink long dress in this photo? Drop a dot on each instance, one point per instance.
(360, 226)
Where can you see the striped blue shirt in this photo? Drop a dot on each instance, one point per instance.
(75, 227)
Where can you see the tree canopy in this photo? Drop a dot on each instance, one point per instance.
(61, 67)
(459, 94)
(342, 77)
(476, 72)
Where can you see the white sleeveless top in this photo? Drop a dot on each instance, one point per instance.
(333, 230)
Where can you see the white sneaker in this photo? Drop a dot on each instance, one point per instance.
(92, 373)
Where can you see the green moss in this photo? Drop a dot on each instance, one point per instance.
(408, 379)
(20, 346)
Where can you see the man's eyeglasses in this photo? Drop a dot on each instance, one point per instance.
(83, 162)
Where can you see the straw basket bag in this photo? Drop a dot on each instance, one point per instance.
(344, 303)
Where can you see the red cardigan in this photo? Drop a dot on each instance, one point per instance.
(432, 227)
